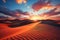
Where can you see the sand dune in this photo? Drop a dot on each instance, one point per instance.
(33, 31)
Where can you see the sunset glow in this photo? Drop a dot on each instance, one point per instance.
(36, 14)
(29, 19)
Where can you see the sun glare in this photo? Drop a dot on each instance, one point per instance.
(36, 17)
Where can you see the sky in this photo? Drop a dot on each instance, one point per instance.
(13, 5)
(31, 6)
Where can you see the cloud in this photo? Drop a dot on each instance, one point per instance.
(21, 1)
(4, 16)
(4, 10)
(52, 14)
(11, 14)
(55, 18)
(40, 4)
(4, 1)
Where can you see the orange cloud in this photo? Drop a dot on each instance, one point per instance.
(21, 1)
(38, 5)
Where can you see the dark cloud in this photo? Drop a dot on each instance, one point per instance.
(55, 18)
(3, 18)
(51, 13)
(4, 12)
